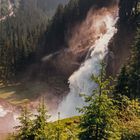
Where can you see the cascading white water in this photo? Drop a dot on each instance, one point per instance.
(80, 81)
(3, 112)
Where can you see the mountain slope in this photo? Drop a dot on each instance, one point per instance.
(22, 24)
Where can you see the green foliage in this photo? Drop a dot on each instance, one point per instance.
(26, 124)
(122, 82)
(105, 117)
(66, 129)
(129, 10)
(40, 123)
(99, 119)
(4, 8)
(129, 79)
(20, 35)
(33, 127)
(39, 129)
(129, 118)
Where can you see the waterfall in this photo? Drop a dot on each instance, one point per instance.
(3, 112)
(80, 81)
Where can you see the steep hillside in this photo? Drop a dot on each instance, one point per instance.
(56, 41)
(121, 45)
(22, 24)
(47, 6)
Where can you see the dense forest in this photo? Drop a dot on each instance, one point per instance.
(21, 32)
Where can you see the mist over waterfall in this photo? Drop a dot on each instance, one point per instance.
(2, 112)
(103, 21)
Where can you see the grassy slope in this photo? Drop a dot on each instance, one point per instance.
(67, 128)
(21, 93)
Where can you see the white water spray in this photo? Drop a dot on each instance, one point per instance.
(80, 81)
(3, 112)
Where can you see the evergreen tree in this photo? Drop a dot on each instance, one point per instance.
(129, 79)
(128, 116)
(122, 83)
(34, 127)
(129, 9)
(25, 128)
(134, 68)
(40, 123)
(99, 120)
